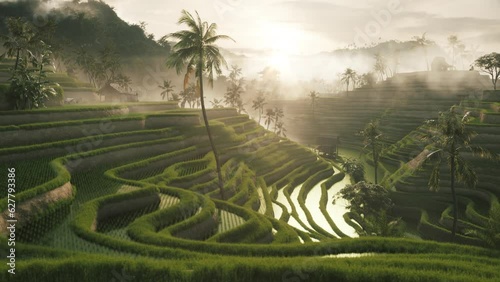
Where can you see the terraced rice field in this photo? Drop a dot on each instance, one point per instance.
(141, 191)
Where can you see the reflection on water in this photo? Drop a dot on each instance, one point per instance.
(312, 204)
(294, 197)
(350, 255)
(277, 211)
(282, 199)
(337, 210)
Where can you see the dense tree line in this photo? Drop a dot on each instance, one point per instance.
(92, 23)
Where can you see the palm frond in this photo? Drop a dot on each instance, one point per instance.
(434, 179)
(482, 152)
(188, 19)
(194, 49)
(215, 38)
(465, 173)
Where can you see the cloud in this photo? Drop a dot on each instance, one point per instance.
(321, 25)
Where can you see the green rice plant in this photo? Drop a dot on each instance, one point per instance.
(30, 173)
(228, 221)
(45, 220)
(284, 233)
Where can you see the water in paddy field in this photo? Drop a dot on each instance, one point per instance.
(277, 211)
(295, 200)
(282, 199)
(350, 255)
(337, 210)
(312, 204)
(294, 223)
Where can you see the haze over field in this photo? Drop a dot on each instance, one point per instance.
(308, 27)
(279, 29)
(298, 37)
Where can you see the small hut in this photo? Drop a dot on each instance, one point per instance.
(328, 145)
(112, 93)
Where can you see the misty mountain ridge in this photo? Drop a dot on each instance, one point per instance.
(95, 24)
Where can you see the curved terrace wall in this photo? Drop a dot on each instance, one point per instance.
(154, 107)
(32, 208)
(27, 136)
(14, 118)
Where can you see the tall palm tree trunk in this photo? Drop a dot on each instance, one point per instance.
(205, 119)
(454, 196)
(426, 60)
(17, 58)
(375, 163)
(275, 123)
(453, 55)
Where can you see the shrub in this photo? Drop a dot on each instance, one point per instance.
(58, 98)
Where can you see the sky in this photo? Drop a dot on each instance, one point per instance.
(311, 26)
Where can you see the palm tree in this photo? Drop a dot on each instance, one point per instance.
(258, 105)
(235, 74)
(371, 135)
(348, 75)
(314, 96)
(183, 98)
(188, 96)
(20, 40)
(380, 66)
(423, 42)
(269, 117)
(461, 53)
(449, 138)
(490, 234)
(453, 43)
(236, 87)
(280, 129)
(167, 88)
(196, 52)
(278, 113)
(216, 103)
(233, 94)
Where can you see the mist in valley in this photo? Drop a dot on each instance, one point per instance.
(297, 73)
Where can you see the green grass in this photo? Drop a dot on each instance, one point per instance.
(189, 234)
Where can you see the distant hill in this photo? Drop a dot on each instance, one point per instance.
(94, 25)
(91, 23)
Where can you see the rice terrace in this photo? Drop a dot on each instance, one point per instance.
(249, 140)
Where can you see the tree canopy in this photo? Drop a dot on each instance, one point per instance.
(490, 64)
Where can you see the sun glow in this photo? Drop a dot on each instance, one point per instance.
(283, 38)
(283, 41)
(279, 61)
